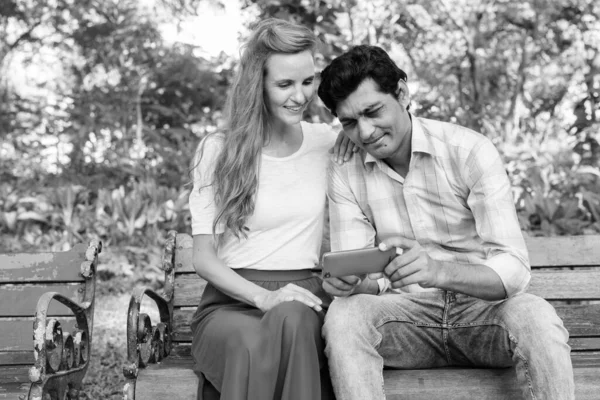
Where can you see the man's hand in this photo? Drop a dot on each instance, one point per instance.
(412, 266)
(343, 286)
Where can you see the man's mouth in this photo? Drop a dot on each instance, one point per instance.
(373, 141)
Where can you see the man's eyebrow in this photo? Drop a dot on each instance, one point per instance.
(365, 109)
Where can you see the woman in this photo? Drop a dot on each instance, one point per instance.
(257, 219)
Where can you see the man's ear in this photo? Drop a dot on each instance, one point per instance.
(402, 93)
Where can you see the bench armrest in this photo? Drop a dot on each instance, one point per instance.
(62, 358)
(147, 343)
(53, 348)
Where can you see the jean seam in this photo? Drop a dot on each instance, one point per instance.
(513, 340)
(526, 364)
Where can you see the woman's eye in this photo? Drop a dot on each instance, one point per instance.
(308, 82)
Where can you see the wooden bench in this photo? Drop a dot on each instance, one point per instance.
(574, 292)
(46, 318)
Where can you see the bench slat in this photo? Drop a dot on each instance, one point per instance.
(566, 284)
(580, 321)
(35, 267)
(563, 251)
(14, 391)
(559, 251)
(16, 358)
(489, 384)
(21, 299)
(14, 374)
(174, 379)
(17, 335)
(551, 285)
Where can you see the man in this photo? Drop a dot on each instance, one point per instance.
(439, 192)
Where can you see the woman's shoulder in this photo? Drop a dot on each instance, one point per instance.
(211, 144)
(208, 149)
(321, 134)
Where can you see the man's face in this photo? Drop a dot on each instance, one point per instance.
(377, 122)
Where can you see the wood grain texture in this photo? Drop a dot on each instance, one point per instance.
(566, 284)
(560, 251)
(17, 335)
(14, 374)
(35, 267)
(174, 379)
(21, 299)
(23, 357)
(12, 391)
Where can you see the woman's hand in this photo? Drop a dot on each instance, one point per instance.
(343, 149)
(289, 292)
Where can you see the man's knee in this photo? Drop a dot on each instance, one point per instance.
(533, 317)
(344, 317)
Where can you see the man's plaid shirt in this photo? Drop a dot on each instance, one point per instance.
(456, 201)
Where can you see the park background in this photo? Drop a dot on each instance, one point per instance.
(102, 103)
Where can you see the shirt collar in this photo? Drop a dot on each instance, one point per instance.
(420, 143)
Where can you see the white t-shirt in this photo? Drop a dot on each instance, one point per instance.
(287, 225)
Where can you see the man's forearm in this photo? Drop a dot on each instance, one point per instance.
(475, 280)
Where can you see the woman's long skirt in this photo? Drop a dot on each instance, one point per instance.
(247, 354)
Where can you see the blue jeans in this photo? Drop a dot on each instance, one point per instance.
(364, 333)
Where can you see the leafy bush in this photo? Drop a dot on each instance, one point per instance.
(557, 189)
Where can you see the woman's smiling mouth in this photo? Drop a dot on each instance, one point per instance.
(293, 109)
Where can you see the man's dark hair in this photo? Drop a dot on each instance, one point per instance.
(344, 74)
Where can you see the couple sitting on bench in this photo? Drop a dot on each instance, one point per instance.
(266, 327)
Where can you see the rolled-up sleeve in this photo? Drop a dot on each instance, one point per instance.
(490, 199)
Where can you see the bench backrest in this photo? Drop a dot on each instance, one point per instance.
(565, 271)
(24, 278)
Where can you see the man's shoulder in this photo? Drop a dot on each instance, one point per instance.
(351, 172)
(450, 137)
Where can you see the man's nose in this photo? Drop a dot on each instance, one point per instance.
(365, 129)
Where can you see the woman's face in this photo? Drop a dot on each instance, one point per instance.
(289, 86)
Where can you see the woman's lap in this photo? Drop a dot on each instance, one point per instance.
(230, 333)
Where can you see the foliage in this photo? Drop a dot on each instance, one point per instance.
(555, 192)
(130, 220)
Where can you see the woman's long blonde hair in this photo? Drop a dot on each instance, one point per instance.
(235, 178)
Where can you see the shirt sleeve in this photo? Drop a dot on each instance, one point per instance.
(490, 199)
(202, 204)
(349, 227)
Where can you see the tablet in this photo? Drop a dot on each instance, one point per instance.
(357, 262)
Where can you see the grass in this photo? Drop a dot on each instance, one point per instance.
(104, 379)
